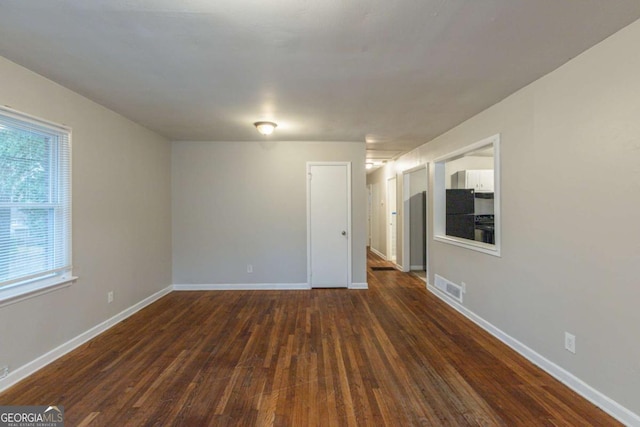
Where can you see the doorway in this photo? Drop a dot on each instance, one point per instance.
(415, 213)
(378, 220)
(369, 214)
(329, 224)
(392, 220)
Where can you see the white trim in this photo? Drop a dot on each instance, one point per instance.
(389, 217)
(60, 158)
(406, 217)
(308, 197)
(377, 252)
(596, 397)
(468, 148)
(13, 294)
(349, 228)
(424, 279)
(359, 286)
(241, 287)
(349, 219)
(469, 244)
(369, 213)
(406, 221)
(417, 267)
(25, 370)
(439, 199)
(19, 115)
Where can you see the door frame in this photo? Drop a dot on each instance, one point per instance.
(369, 214)
(389, 217)
(349, 218)
(406, 218)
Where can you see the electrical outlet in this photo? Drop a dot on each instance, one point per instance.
(4, 371)
(249, 268)
(570, 342)
(110, 297)
(463, 286)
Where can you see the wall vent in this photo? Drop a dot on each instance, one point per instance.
(449, 288)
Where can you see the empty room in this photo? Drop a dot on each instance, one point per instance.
(306, 212)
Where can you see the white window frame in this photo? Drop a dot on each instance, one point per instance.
(440, 194)
(29, 286)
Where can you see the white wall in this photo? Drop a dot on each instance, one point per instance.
(245, 203)
(570, 147)
(466, 163)
(121, 218)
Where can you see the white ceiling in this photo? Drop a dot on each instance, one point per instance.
(396, 73)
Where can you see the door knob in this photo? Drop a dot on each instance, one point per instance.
(344, 233)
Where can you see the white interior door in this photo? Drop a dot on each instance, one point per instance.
(329, 227)
(369, 213)
(377, 220)
(391, 219)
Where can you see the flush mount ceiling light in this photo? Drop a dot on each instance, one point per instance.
(370, 164)
(265, 128)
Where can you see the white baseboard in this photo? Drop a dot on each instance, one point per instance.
(255, 287)
(417, 267)
(25, 370)
(242, 287)
(424, 279)
(599, 399)
(380, 254)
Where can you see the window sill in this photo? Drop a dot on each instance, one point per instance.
(470, 244)
(20, 292)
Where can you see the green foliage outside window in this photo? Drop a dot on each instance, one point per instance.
(25, 183)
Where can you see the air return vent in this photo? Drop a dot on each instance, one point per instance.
(449, 288)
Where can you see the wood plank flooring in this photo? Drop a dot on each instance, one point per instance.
(393, 355)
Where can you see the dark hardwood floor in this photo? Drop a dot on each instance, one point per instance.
(392, 355)
(374, 261)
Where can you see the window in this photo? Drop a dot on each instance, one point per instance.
(467, 197)
(35, 205)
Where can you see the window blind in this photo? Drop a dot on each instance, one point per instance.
(35, 199)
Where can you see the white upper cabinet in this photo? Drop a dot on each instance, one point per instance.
(479, 180)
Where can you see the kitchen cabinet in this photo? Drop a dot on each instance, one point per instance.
(480, 180)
